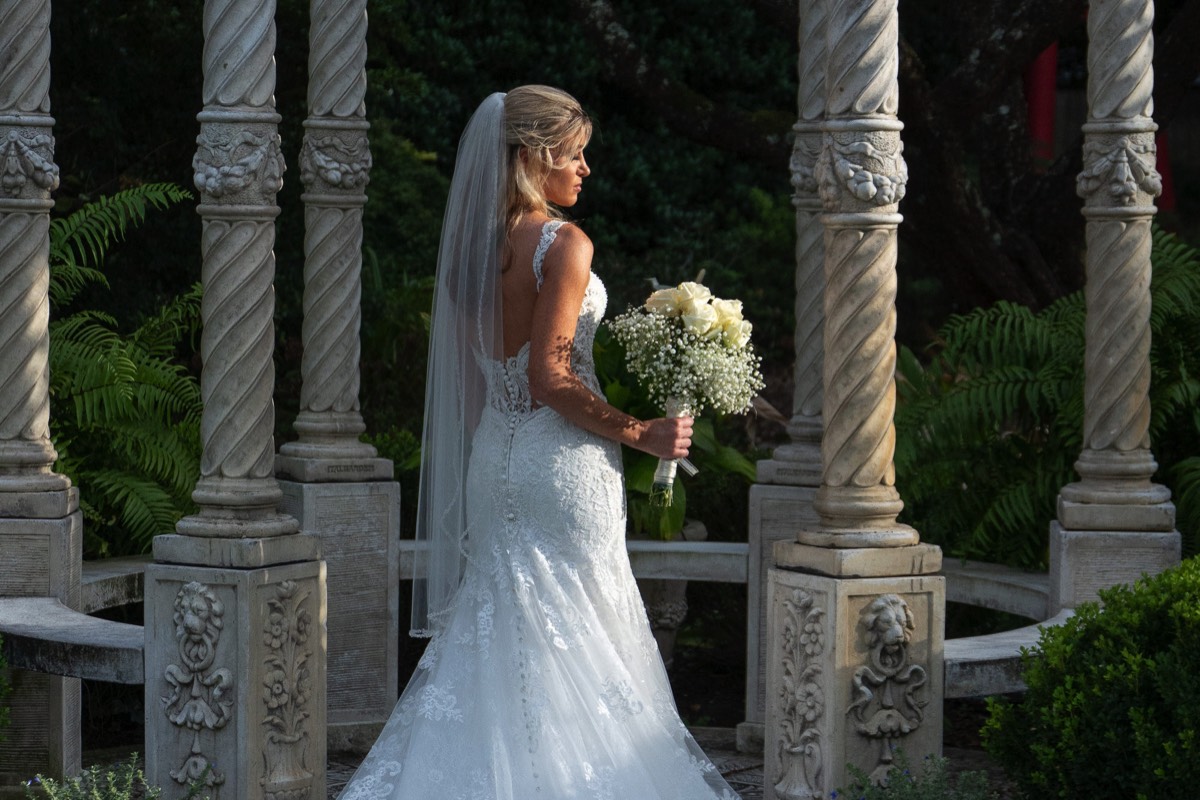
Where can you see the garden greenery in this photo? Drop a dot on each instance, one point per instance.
(1113, 704)
(125, 413)
(928, 781)
(121, 781)
(988, 431)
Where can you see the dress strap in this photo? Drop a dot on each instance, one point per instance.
(549, 234)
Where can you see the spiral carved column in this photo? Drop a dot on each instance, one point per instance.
(235, 599)
(238, 169)
(1118, 185)
(781, 500)
(335, 165)
(862, 176)
(854, 566)
(335, 485)
(799, 461)
(28, 484)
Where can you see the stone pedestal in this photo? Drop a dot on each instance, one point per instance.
(41, 558)
(235, 664)
(1083, 562)
(859, 663)
(776, 513)
(358, 525)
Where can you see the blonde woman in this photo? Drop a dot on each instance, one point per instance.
(542, 679)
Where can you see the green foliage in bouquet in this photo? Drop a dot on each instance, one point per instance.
(125, 413)
(988, 431)
(1113, 705)
(929, 781)
(625, 392)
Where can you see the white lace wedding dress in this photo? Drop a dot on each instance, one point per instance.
(546, 681)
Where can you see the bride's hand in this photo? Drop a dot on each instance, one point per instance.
(667, 438)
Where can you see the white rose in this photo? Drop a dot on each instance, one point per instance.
(728, 311)
(690, 291)
(664, 302)
(699, 319)
(738, 334)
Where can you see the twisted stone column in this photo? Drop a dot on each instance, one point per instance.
(235, 601)
(238, 169)
(799, 461)
(1114, 524)
(335, 164)
(28, 174)
(1118, 184)
(862, 176)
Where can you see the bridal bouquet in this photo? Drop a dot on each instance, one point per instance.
(691, 351)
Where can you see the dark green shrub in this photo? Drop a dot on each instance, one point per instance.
(1113, 706)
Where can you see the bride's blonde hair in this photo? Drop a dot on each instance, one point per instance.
(550, 126)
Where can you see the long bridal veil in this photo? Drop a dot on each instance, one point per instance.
(466, 326)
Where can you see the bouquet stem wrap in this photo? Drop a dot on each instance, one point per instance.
(662, 491)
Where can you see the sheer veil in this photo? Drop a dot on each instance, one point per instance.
(465, 327)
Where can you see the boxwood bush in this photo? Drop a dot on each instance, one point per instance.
(1113, 705)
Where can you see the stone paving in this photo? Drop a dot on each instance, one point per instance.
(743, 771)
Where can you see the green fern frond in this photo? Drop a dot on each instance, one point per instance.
(79, 242)
(143, 508)
(988, 431)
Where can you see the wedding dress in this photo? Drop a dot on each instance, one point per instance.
(545, 681)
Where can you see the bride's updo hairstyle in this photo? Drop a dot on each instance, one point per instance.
(550, 126)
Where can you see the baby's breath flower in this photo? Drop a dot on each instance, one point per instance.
(702, 356)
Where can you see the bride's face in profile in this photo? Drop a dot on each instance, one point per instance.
(565, 182)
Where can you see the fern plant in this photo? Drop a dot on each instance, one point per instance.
(125, 413)
(989, 430)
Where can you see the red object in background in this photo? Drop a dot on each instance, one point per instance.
(1166, 200)
(1041, 82)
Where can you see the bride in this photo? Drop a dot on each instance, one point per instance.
(542, 679)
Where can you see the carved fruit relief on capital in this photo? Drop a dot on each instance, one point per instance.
(869, 167)
(25, 157)
(200, 697)
(287, 691)
(801, 699)
(336, 163)
(1116, 171)
(886, 694)
(228, 162)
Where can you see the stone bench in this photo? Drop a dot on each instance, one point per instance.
(43, 635)
(978, 666)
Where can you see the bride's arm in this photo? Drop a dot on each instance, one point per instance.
(553, 383)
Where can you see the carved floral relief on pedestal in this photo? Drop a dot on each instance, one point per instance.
(287, 690)
(26, 157)
(885, 704)
(200, 697)
(338, 164)
(1124, 167)
(801, 699)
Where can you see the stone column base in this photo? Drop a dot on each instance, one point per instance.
(358, 525)
(235, 680)
(41, 558)
(1082, 562)
(776, 513)
(854, 670)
